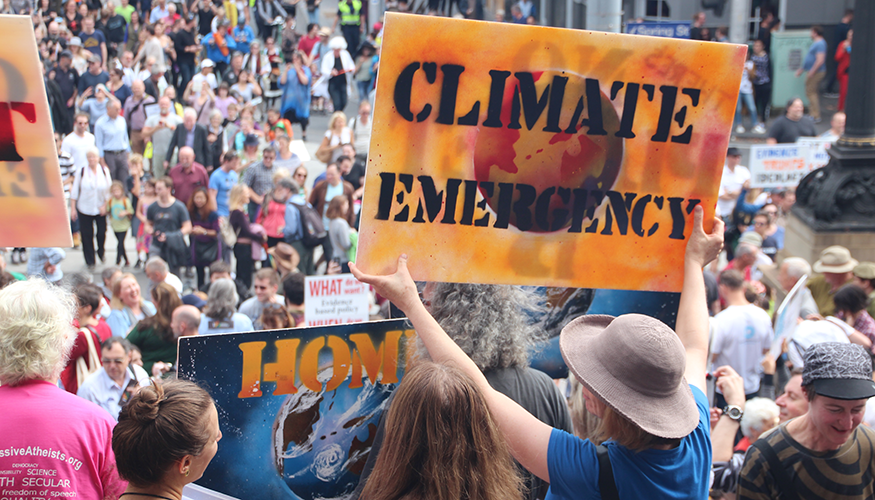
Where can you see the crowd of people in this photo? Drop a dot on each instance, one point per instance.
(637, 421)
(755, 93)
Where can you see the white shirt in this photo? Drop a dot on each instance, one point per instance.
(172, 280)
(809, 333)
(198, 83)
(730, 182)
(77, 146)
(105, 393)
(91, 190)
(741, 334)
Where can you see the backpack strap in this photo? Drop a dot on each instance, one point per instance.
(607, 483)
(776, 468)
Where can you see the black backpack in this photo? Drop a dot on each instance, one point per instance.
(312, 228)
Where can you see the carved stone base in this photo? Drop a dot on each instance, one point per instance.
(841, 195)
(835, 205)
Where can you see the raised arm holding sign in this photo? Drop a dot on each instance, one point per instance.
(599, 350)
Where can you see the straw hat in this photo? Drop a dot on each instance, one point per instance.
(635, 364)
(835, 259)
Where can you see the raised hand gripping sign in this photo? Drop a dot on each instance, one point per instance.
(32, 208)
(541, 156)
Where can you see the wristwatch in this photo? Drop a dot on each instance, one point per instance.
(733, 412)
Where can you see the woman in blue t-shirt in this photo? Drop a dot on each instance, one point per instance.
(643, 380)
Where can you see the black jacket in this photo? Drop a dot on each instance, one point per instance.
(201, 147)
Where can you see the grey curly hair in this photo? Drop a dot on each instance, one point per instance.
(489, 322)
(36, 333)
(222, 299)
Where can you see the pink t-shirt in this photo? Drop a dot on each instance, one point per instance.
(54, 444)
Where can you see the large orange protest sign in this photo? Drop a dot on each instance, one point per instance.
(32, 208)
(489, 162)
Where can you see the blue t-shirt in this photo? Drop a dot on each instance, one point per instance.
(223, 182)
(818, 47)
(92, 42)
(682, 472)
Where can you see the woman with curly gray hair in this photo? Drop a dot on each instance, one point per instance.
(220, 314)
(490, 324)
(52, 430)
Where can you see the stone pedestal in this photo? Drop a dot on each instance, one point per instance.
(807, 243)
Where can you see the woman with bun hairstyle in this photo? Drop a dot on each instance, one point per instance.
(441, 442)
(644, 381)
(166, 436)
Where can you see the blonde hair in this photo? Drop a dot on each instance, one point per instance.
(136, 159)
(235, 197)
(282, 173)
(334, 117)
(36, 332)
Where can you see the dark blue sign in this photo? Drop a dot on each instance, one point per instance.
(674, 29)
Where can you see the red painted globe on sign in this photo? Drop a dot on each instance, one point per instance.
(546, 159)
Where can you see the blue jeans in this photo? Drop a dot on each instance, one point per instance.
(364, 87)
(314, 16)
(751, 108)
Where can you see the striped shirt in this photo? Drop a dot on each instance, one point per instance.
(65, 161)
(844, 473)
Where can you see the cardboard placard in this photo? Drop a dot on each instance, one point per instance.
(494, 166)
(32, 205)
(298, 408)
(779, 165)
(335, 299)
(818, 151)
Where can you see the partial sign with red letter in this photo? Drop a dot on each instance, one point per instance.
(335, 300)
(32, 205)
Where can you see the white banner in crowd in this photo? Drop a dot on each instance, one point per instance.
(818, 151)
(335, 300)
(779, 165)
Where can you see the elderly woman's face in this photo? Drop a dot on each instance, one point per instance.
(129, 292)
(93, 158)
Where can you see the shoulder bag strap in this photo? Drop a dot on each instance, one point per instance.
(784, 484)
(607, 484)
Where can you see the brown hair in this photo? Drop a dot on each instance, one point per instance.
(203, 213)
(620, 429)
(160, 425)
(334, 208)
(442, 442)
(268, 274)
(166, 300)
(276, 318)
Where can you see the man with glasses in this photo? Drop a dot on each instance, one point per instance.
(267, 283)
(113, 384)
(762, 225)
